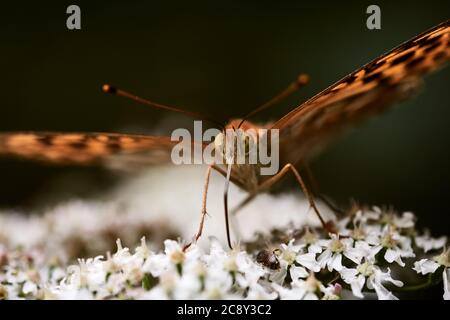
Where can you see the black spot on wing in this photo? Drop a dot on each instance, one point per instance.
(374, 66)
(114, 147)
(386, 81)
(112, 139)
(432, 47)
(440, 57)
(78, 145)
(403, 58)
(413, 63)
(427, 41)
(406, 46)
(350, 79)
(45, 140)
(372, 77)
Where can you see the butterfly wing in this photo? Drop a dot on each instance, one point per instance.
(116, 150)
(369, 90)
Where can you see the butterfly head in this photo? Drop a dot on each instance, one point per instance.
(235, 145)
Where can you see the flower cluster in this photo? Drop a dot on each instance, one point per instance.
(373, 254)
(81, 228)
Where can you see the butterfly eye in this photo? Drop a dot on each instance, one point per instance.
(248, 141)
(219, 141)
(220, 144)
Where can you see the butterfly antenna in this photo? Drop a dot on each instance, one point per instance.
(301, 81)
(225, 202)
(119, 92)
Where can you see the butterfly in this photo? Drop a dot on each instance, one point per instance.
(303, 132)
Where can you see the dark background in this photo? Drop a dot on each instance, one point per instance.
(223, 59)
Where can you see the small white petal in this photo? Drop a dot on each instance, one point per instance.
(446, 278)
(335, 262)
(357, 284)
(428, 243)
(314, 248)
(348, 274)
(381, 276)
(308, 260)
(383, 293)
(405, 221)
(394, 255)
(29, 287)
(425, 266)
(298, 272)
(324, 257)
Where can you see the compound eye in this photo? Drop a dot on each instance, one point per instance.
(248, 143)
(219, 141)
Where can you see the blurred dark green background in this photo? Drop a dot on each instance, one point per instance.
(221, 58)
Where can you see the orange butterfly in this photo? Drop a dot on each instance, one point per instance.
(303, 132)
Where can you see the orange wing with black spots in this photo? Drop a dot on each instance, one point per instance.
(369, 90)
(86, 148)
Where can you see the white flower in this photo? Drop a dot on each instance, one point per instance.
(364, 216)
(157, 264)
(300, 290)
(88, 274)
(249, 271)
(310, 241)
(289, 252)
(396, 245)
(405, 221)
(142, 251)
(425, 266)
(335, 249)
(258, 292)
(331, 292)
(187, 286)
(371, 275)
(382, 292)
(30, 288)
(174, 251)
(308, 260)
(428, 243)
(217, 284)
(297, 273)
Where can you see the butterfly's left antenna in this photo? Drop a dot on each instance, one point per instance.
(301, 81)
(107, 88)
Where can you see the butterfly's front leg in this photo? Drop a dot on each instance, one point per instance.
(204, 213)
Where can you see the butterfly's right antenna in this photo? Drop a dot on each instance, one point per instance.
(118, 92)
(301, 81)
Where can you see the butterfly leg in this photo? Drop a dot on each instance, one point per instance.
(204, 213)
(274, 179)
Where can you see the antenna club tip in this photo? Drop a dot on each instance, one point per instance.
(107, 88)
(302, 79)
